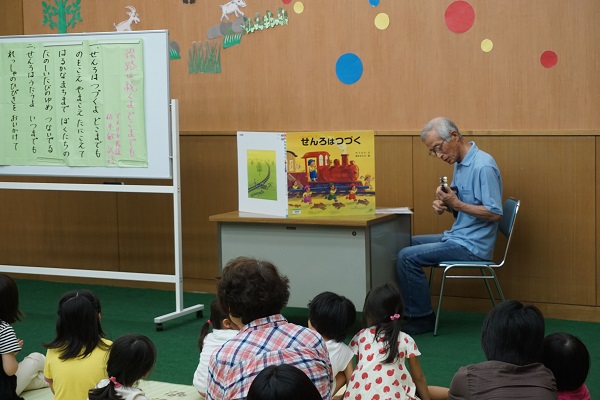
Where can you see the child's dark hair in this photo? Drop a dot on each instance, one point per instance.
(130, 359)
(251, 289)
(513, 333)
(568, 359)
(331, 315)
(78, 328)
(9, 300)
(382, 309)
(282, 382)
(216, 318)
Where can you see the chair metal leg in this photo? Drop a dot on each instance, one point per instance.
(498, 286)
(484, 275)
(431, 278)
(487, 285)
(439, 308)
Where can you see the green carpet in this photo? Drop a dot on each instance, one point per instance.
(126, 310)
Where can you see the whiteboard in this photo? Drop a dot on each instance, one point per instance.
(156, 109)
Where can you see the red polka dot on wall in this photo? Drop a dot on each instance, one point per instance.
(459, 16)
(548, 59)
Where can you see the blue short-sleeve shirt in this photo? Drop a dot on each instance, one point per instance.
(478, 182)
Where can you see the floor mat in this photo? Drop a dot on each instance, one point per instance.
(154, 391)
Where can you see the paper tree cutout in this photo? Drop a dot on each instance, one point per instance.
(61, 16)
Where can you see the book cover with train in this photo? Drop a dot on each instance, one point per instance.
(330, 173)
(307, 174)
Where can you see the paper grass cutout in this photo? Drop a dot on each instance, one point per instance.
(267, 21)
(232, 40)
(174, 51)
(233, 7)
(134, 18)
(204, 58)
(61, 11)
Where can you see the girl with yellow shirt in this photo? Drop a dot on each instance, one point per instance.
(76, 358)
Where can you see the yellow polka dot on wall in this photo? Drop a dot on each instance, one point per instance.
(298, 7)
(382, 21)
(487, 45)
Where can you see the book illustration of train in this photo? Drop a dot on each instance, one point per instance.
(322, 173)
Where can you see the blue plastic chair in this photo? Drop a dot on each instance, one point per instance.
(486, 268)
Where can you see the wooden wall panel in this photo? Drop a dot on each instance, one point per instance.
(552, 178)
(209, 187)
(12, 18)
(284, 78)
(393, 171)
(145, 224)
(59, 229)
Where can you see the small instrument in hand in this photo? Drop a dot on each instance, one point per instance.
(444, 183)
(445, 187)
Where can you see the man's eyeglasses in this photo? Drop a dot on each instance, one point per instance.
(436, 149)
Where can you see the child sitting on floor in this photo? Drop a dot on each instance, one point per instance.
(282, 382)
(223, 329)
(131, 358)
(569, 360)
(332, 315)
(383, 349)
(76, 358)
(15, 377)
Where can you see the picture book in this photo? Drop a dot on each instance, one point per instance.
(261, 173)
(307, 174)
(330, 173)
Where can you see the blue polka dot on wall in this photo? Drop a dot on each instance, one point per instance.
(349, 68)
(374, 3)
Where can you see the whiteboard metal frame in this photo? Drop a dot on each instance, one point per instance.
(174, 189)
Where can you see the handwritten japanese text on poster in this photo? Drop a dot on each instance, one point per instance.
(72, 103)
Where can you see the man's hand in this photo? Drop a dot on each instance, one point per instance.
(439, 207)
(448, 197)
(449, 202)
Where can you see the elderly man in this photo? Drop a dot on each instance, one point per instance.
(475, 200)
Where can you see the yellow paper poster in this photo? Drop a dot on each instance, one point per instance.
(330, 173)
